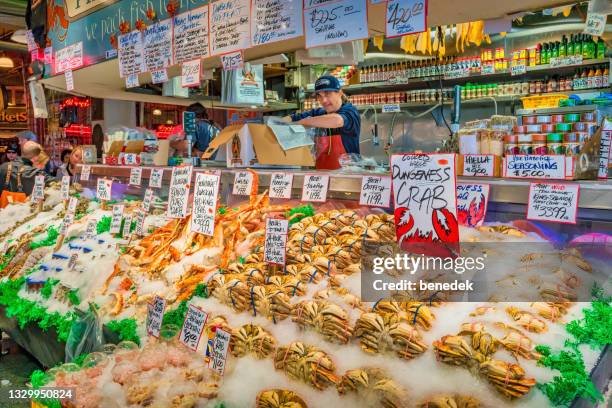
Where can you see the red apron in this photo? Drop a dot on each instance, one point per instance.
(329, 150)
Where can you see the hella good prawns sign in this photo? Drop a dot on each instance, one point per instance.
(424, 189)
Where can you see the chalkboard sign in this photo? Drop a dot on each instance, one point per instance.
(230, 28)
(334, 22)
(158, 45)
(191, 36)
(275, 20)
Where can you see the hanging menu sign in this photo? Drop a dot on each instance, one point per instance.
(156, 177)
(103, 189)
(281, 185)
(275, 244)
(65, 187)
(131, 54)
(155, 316)
(193, 325)
(230, 28)
(191, 35)
(205, 193)
(478, 165)
(179, 191)
(136, 176)
(190, 73)
(535, 166)
(115, 226)
(406, 17)
(243, 182)
(148, 198)
(375, 191)
(315, 188)
(425, 198)
(472, 200)
(158, 45)
(275, 20)
(335, 22)
(85, 172)
(218, 354)
(38, 192)
(553, 202)
(69, 58)
(127, 226)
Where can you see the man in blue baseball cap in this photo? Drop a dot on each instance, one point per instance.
(338, 117)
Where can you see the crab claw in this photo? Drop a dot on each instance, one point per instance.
(476, 212)
(403, 222)
(447, 231)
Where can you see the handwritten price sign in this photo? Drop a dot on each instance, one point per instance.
(334, 22)
(535, 166)
(315, 188)
(147, 200)
(131, 81)
(190, 73)
(72, 204)
(115, 226)
(243, 182)
(155, 316)
(65, 187)
(85, 172)
(159, 77)
(275, 245)
(219, 351)
(141, 215)
(191, 35)
(205, 194)
(179, 191)
(553, 202)
(136, 176)
(193, 325)
(275, 20)
(103, 189)
(478, 165)
(38, 192)
(375, 191)
(91, 230)
(518, 67)
(281, 185)
(127, 226)
(232, 61)
(155, 179)
(66, 222)
(406, 17)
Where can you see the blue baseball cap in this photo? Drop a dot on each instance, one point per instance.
(327, 83)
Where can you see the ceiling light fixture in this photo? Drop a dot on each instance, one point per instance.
(157, 112)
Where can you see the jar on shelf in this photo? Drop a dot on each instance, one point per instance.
(511, 146)
(485, 141)
(538, 143)
(524, 144)
(469, 141)
(554, 143)
(496, 142)
(524, 88)
(571, 144)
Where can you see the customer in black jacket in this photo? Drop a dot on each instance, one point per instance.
(23, 173)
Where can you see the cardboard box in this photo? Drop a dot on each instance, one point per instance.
(253, 145)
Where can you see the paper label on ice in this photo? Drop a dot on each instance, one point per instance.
(219, 351)
(243, 182)
(136, 176)
(194, 322)
(155, 316)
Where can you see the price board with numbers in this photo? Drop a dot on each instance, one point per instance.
(155, 316)
(553, 202)
(275, 244)
(281, 185)
(219, 350)
(315, 188)
(193, 325)
(375, 191)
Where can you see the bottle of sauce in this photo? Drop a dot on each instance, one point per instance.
(601, 49)
(584, 79)
(590, 79)
(538, 54)
(577, 45)
(570, 47)
(585, 47)
(605, 77)
(597, 78)
(563, 47)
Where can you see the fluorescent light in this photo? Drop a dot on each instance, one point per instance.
(6, 62)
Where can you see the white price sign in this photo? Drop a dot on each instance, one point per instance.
(281, 185)
(472, 201)
(535, 166)
(66, 222)
(159, 76)
(103, 189)
(38, 192)
(478, 165)
(327, 23)
(190, 73)
(193, 325)
(127, 226)
(375, 191)
(315, 188)
(406, 17)
(275, 244)
(136, 176)
(155, 316)
(565, 61)
(140, 220)
(65, 187)
(85, 172)
(595, 22)
(91, 230)
(72, 261)
(605, 149)
(48, 55)
(243, 182)
(206, 190)
(115, 226)
(518, 68)
(146, 201)
(218, 355)
(72, 204)
(69, 80)
(232, 61)
(178, 194)
(156, 177)
(390, 107)
(553, 202)
(30, 41)
(131, 81)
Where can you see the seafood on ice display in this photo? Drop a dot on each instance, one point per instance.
(301, 333)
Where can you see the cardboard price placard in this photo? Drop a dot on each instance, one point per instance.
(91, 230)
(275, 20)
(131, 54)
(206, 190)
(315, 188)
(218, 355)
(478, 165)
(136, 176)
(179, 191)
(69, 58)
(425, 198)
(243, 183)
(230, 26)
(535, 166)
(103, 189)
(72, 204)
(158, 46)
(190, 73)
(191, 35)
(141, 215)
(65, 188)
(281, 185)
(156, 177)
(375, 191)
(406, 17)
(334, 22)
(85, 172)
(115, 226)
(194, 322)
(472, 201)
(275, 244)
(553, 202)
(232, 61)
(127, 226)
(66, 222)
(146, 201)
(155, 316)
(38, 192)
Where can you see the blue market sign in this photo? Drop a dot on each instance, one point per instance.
(99, 30)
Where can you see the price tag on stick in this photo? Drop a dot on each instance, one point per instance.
(85, 172)
(553, 202)
(146, 201)
(38, 192)
(193, 325)
(179, 192)
(156, 177)
(91, 230)
(206, 190)
(281, 185)
(127, 226)
(72, 205)
(315, 188)
(136, 176)
(275, 244)
(103, 189)
(65, 187)
(115, 226)
(219, 351)
(375, 191)
(155, 316)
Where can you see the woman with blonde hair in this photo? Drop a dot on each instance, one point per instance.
(69, 168)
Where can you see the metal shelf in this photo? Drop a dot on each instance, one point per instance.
(555, 111)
